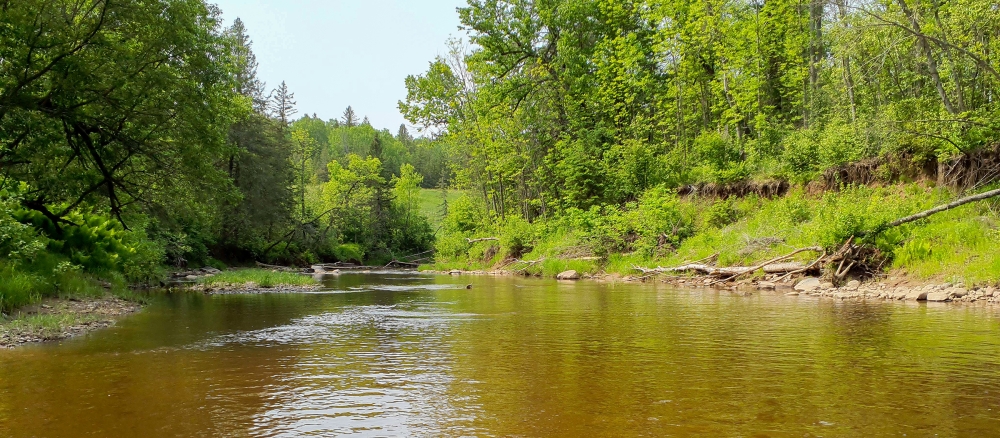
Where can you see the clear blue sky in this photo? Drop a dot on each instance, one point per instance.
(335, 53)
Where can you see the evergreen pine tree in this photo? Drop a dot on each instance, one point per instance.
(283, 104)
(350, 119)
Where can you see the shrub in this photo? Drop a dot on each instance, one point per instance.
(17, 289)
(516, 236)
(349, 252)
(801, 153)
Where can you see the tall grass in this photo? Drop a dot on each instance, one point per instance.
(959, 245)
(261, 277)
(18, 289)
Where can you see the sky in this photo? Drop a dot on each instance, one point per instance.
(335, 53)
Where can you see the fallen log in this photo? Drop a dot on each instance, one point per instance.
(277, 268)
(732, 272)
(772, 261)
(483, 239)
(399, 264)
(781, 268)
(719, 272)
(936, 210)
(808, 268)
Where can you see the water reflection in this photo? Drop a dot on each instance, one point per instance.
(412, 355)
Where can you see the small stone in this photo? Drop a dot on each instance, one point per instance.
(808, 285)
(792, 294)
(568, 275)
(767, 285)
(455, 272)
(939, 297)
(191, 277)
(827, 285)
(959, 292)
(853, 285)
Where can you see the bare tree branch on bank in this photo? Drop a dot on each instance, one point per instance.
(847, 258)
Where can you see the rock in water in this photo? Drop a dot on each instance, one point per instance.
(568, 275)
(808, 285)
(917, 295)
(939, 297)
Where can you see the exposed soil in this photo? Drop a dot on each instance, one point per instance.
(963, 172)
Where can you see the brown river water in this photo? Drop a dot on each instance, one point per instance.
(413, 355)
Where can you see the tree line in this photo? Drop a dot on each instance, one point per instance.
(558, 105)
(136, 135)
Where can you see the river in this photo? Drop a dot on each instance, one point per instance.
(415, 355)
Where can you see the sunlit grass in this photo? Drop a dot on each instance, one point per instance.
(261, 277)
(962, 245)
(44, 326)
(431, 204)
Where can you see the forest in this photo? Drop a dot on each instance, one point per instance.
(677, 130)
(136, 138)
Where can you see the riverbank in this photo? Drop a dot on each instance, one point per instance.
(251, 281)
(55, 319)
(891, 289)
(957, 246)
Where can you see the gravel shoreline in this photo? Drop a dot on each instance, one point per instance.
(59, 319)
(251, 289)
(891, 289)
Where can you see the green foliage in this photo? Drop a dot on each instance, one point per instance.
(517, 237)
(349, 252)
(572, 104)
(17, 289)
(261, 277)
(662, 229)
(18, 241)
(722, 213)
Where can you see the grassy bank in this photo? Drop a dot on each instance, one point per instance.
(662, 229)
(61, 318)
(25, 285)
(257, 277)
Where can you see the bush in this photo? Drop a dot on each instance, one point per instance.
(17, 289)
(801, 154)
(349, 252)
(517, 237)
